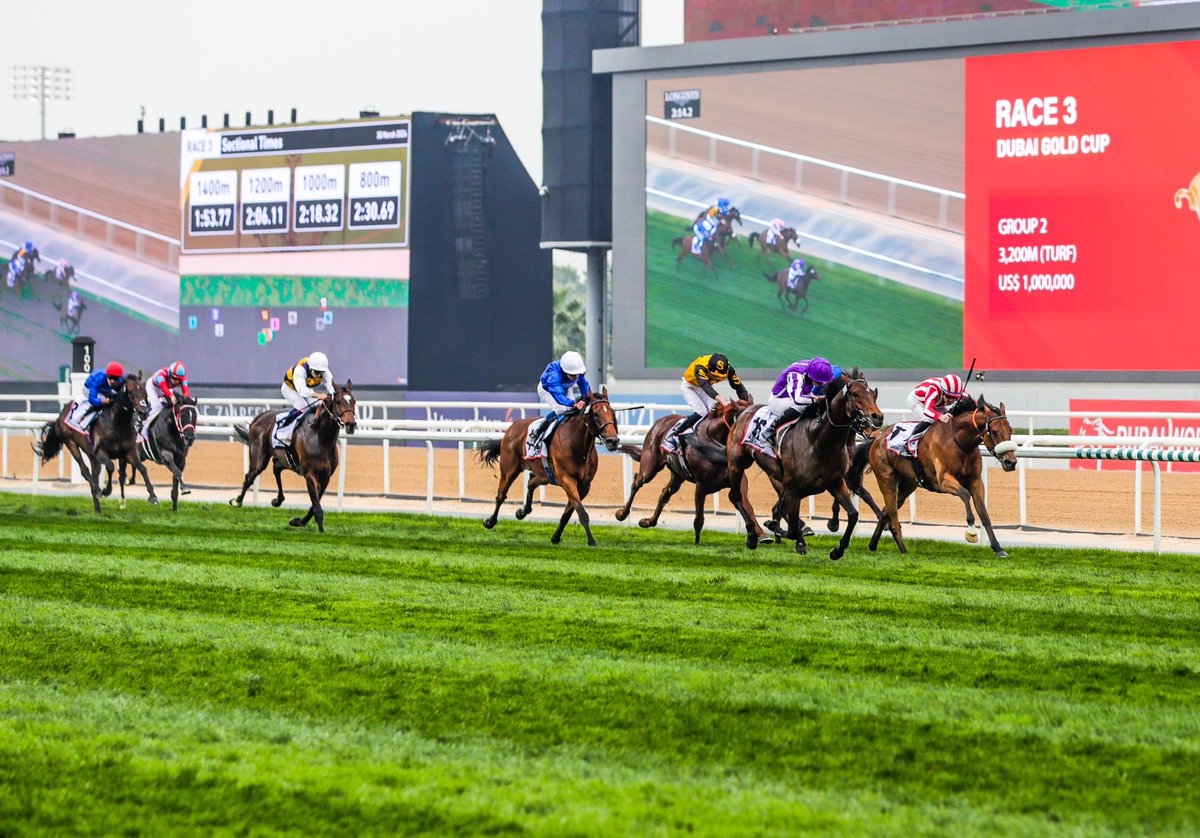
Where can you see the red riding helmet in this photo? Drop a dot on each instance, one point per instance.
(114, 368)
(177, 370)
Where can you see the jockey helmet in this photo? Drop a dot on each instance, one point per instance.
(820, 370)
(115, 369)
(29, 245)
(177, 370)
(317, 362)
(62, 263)
(723, 204)
(572, 363)
(718, 362)
(954, 386)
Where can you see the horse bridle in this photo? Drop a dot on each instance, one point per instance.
(325, 403)
(858, 420)
(985, 432)
(177, 415)
(599, 428)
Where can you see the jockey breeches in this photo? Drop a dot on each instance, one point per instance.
(295, 399)
(549, 401)
(698, 400)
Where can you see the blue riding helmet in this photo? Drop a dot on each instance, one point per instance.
(723, 204)
(29, 245)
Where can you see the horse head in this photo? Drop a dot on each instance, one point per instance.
(185, 419)
(857, 399)
(992, 424)
(341, 406)
(604, 420)
(135, 391)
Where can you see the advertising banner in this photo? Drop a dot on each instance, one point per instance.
(1100, 423)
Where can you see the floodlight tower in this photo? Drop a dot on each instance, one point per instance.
(39, 83)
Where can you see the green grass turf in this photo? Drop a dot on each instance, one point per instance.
(213, 670)
(854, 317)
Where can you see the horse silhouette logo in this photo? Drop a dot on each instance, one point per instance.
(1094, 427)
(1191, 195)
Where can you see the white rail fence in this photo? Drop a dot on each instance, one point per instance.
(849, 185)
(381, 423)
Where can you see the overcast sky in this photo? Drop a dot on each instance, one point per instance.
(326, 59)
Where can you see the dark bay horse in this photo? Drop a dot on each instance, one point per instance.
(313, 454)
(113, 437)
(706, 466)
(724, 231)
(793, 294)
(950, 462)
(572, 455)
(170, 435)
(780, 247)
(813, 456)
(684, 243)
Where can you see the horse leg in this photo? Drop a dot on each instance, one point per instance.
(277, 467)
(107, 490)
(779, 296)
(670, 489)
(316, 488)
(739, 497)
(534, 482)
(976, 490)
(258, 462)
(575, 493)
(506, 480)
(648, 469)
(177, 483)
(140, 468)
(842, 493)
(791, 508)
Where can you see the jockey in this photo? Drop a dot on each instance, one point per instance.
(161, 390)
(799, 385)
(61, 270)
(795, 271)
(101, 387)
(562, 388)
(707, 225)
(930, 400)
(305, 384)
(778, 225)
(697, 387)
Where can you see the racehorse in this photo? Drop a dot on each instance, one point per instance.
(704, 467)
(813, 456)
(170, 435)
(793, 293)
(572, 454)
(780, 247)
(724, 231)
(313, 453)
(63, 274)
(684, 243)
(949, 462)
(113, 436)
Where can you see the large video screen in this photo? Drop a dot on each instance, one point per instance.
(1035, 212)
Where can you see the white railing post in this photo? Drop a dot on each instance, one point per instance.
(1137, 497)
(429, 476)
(341, 472)
(462, 472)
(387, 467)
(1157, 506)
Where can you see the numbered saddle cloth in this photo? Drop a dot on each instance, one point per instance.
(902, 440)
(281, 436)
(81, 415)
(541, 449)
(697, 245)
(756, 436)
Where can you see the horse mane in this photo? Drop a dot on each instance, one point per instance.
(731, 409)
(964, 403)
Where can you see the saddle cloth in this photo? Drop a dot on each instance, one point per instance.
(902, 441)
(81, 416)
(755, 435)
(697, 245)
(281, 437)
(670, 440)
(541, 450)
(770, 237)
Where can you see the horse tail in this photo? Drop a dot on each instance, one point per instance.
(243, 433)
(750, 241)
(858, 466)
(676, 242)
(49, 444)
(708, 451)
(489, 451)
(633, 451)
(770, 277)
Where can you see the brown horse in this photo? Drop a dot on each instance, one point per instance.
(572, 455)
(113, 437)
(950, 463)
(724, 231)
(780, 247)
(707, 469)
(313, 454)
(793, 294)
(684, 243)
(813, 456)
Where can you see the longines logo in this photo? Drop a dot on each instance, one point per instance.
(1191, 195)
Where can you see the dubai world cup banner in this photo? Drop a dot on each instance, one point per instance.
(1082, 173)
(1099, 421)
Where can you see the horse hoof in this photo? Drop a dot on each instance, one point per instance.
(751, 542)
(646, 523)
(801, 549)
(831, 525)
(807, 531)
(153, 500)
(185, 491)
(1001, 554)
(765, 539)
(296, 522)
(592, 543)
(971, 535)
(488, 523)
(835, 554)
(234, 502)
(621, 515)
(773, 526)
(555, 539)
(121, 503)
(276, 502)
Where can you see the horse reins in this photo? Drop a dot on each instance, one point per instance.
(984, 431)
(858, 420)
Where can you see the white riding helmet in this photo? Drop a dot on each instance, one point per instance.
(317, 362)
(572, 363)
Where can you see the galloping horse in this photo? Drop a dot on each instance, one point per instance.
(724, 231)
(572, 454)
(780, 247)
(113, 436)
(314, 447)
(813, 455)
(704, 466)
(170, 435)
(684, 243)
(793, 294)
(949, 461)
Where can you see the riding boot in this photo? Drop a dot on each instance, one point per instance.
(291, 417)
(920, 428)
(788, 415)
(685, 426)
(535, 438)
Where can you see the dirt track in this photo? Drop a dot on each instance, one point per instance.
(1067, 499)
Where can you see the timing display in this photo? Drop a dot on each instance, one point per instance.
(266, 194)
(374, 195)
(212, 199)
(320, 197)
